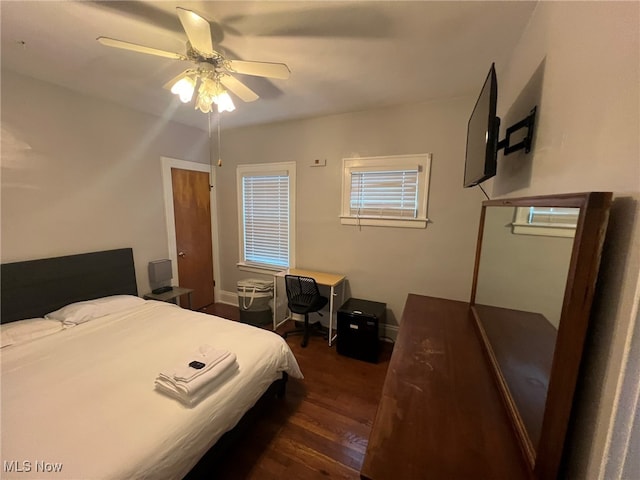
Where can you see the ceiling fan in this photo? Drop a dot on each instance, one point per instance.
(212, 70)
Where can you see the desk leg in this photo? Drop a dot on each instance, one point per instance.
(189, 298)
(276, 319)
(332, 337)
(331, 315)
(275, 302)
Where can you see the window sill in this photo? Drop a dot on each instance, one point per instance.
(264, 269)
(546, 230)
(386, 222)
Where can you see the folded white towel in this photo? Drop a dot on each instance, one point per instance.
(199, 387)
(192, 400)
(206, 355)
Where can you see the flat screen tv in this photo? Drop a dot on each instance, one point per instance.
(482, 134)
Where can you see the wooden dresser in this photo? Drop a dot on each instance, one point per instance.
(441, 415)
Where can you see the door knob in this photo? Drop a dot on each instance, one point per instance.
(181, 254)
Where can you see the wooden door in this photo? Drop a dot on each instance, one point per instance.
(192, 214)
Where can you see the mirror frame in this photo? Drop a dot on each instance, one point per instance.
(572, 329)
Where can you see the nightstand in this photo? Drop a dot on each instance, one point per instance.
(171, 295)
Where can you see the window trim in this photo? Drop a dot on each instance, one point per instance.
(387, 163)
(257, 169)
(522, 226)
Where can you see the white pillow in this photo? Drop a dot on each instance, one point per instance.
(80, 312)
(23, 330)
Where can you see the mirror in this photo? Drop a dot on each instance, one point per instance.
(521, 280)
(536, 267)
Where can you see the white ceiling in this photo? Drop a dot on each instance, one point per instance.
(344, 56)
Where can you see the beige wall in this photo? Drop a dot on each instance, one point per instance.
(80, 174)
(579, 61)
(382, 264)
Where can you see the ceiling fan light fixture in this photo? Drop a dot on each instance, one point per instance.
(224, 102)
(202, 104)
(206, 94)
(184, 88)
(211, 92)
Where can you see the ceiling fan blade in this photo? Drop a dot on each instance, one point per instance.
(198, 31)
(260, 69)
(173, 81)
(239, 88)
(112, 42)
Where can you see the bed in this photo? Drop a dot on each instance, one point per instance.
(80, 402)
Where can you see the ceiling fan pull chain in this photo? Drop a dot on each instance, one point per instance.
(210, 153)
(219, 147)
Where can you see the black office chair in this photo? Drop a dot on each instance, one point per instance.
(304, 298)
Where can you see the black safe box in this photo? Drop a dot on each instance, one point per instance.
(358, 323)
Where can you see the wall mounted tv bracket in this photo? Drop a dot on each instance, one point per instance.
(528, 123)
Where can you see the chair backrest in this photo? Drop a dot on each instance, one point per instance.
(301, 291)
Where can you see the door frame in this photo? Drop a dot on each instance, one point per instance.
(167, 163)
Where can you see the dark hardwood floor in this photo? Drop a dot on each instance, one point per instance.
(320, 428)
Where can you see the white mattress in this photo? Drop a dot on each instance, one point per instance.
(84, 397)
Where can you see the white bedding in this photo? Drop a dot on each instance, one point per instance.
(84, 397)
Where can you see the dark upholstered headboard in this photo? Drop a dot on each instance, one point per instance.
(34, 288)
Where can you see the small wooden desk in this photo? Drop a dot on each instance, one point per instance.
(331, 280)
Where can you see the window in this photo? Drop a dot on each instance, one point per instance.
(547, 221)
(266, 208)
(386, 191)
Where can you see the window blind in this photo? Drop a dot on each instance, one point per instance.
(266, 219)
(553, 216)
(384, 194)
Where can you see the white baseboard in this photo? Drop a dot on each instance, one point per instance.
(388, 332)
(230, 298)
